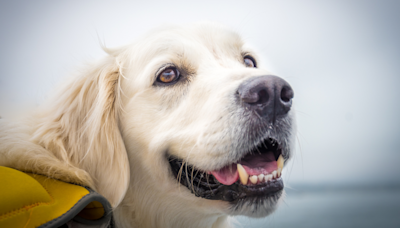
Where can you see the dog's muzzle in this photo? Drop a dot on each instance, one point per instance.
(256, 175)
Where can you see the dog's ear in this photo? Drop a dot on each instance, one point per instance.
(81, 128)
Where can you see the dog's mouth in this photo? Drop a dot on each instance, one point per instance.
(256, 175)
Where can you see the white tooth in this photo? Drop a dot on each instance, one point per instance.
(268, 177)
(261, 177)
(280, 161)
(274, 174)
(244, 177)
(279, 172)
(253, 179)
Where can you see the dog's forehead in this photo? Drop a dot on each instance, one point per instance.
(199, 38)
(219, 40)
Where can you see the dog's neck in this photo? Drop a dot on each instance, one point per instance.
(131, 216)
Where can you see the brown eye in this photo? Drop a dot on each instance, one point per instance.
(249, 62)
(168, 75)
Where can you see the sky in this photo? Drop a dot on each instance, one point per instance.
(341, 58)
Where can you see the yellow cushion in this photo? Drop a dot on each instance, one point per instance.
(31, 200)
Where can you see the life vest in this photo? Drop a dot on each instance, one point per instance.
(30, 200)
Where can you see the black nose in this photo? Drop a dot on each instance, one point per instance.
(270, 96)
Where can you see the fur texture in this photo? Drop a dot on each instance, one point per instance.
(112, 127)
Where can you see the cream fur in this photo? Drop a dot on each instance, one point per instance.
(111, 129)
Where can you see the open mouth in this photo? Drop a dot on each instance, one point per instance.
(256, 175)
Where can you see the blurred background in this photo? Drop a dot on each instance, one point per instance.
(341, 57)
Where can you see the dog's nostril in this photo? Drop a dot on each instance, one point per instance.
(262, 97)
(286, 94)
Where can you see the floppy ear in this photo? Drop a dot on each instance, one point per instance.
(81, 128)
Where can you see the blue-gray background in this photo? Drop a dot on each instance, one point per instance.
(341, 57)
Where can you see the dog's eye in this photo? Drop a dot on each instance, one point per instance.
(168, 75)
(249, 62)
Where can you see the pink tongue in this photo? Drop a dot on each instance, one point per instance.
(227, 175)
(254, 164)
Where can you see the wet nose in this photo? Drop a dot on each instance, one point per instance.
(270, 96)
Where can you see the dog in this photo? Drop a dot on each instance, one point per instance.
(182, 128)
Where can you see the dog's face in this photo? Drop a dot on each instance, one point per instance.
(203, 122)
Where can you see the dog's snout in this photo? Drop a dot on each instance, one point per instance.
(270, 96)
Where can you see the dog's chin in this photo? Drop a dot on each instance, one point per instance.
(249, 198)
(256, 207)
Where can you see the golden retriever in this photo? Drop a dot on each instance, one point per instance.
(182, 128)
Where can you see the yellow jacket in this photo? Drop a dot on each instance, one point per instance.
(30, 200)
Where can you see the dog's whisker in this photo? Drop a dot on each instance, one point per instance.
(201, 177)
(186, 173)
(207, 175)
(192, 179)
(180, 172)
(258, 115)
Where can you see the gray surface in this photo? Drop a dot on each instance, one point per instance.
(348, 208)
